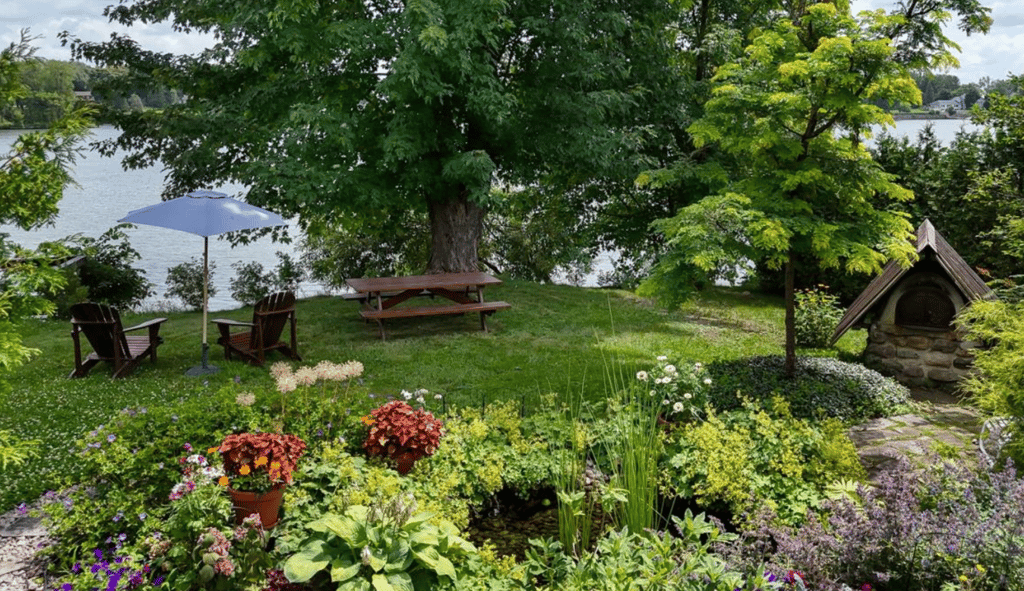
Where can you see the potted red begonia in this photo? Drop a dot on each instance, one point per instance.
(257, 466)
(402, 433)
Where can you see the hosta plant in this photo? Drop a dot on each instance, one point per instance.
(379, 547)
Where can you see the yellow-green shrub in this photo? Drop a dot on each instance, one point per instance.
(760, 457)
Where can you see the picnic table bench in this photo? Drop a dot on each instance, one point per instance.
(381, 296)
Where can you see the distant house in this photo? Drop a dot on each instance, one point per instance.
(909, 315)
(957, 103)
(84, 95)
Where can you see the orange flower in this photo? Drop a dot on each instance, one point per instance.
(213, 450)
(223, 481)
(275, 465)
(244, 470)
(260, 461)
(367, 420)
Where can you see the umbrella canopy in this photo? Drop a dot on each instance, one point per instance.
(204, 213)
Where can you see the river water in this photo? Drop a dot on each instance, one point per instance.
(106, 193)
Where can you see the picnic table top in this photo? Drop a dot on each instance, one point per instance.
(434, 281)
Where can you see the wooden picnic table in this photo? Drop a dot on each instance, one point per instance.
(381, 295)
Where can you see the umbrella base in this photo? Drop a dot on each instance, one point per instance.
(205, 369)
(201, 370)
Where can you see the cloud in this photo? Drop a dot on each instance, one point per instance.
(993, 55)
(84, 19)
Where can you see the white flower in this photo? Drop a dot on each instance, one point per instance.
(280, 370)
(641, 375)
(670, 369)
(677, 407)
(421, 392)
(707, 381)
(406, 394)
(286, 384)
(697, 365)
(687, 396)
(306, 376)
(420, 400)
(437, 397)
(662, 358)
(665, 402)
(653, 393)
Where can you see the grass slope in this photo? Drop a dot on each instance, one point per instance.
(555, 338)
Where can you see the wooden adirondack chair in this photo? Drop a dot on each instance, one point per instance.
(101, 325)
(269, 317)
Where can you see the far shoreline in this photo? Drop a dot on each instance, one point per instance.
(920, 116)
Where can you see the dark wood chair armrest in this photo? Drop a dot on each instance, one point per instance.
(145, 324)
(228, 322)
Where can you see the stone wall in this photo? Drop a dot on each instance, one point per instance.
(919, 358)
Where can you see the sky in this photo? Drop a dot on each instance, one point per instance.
(994, 55)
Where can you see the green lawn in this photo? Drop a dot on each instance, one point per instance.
(555, 338)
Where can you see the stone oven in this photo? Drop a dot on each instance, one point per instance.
(909, 316)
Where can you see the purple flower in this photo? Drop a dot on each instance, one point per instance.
(22, 509)
(114, 580)
(187, 446)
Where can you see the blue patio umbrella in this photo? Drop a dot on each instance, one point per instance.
(204, 213)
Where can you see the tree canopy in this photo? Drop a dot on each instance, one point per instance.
(337, 112)
(33, 175)
(793, 110)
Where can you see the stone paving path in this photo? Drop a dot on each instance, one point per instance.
(21, 536)
(939, 426)
(937, 429)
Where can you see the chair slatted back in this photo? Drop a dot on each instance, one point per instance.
(270, 315)
(102, 327)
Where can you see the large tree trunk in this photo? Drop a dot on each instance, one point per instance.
(455, 228)
(790, 315)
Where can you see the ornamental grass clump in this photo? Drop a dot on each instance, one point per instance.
(398, 431)
(258, 462)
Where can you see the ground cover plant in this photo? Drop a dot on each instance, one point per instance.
(820, 387)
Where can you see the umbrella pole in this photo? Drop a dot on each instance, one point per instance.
(205, 368)
(206, 281)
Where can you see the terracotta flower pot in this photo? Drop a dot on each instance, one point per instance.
(267, 505)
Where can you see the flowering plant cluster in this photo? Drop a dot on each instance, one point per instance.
(196, 471)
(681, 390)
(257, 462)
(397, 430)
(240, 554)
(114, 571)
(323, 372)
